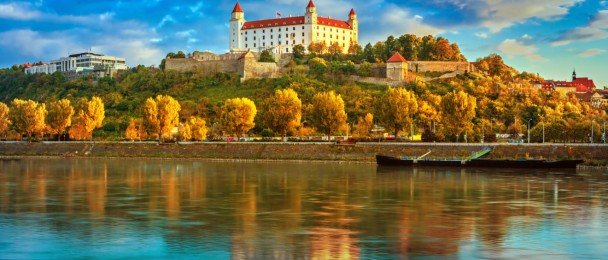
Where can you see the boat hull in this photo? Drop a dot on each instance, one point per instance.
(480, 163)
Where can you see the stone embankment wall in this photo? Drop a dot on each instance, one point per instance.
(363, 152)
(210, 67)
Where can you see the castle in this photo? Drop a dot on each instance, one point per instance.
(280, 35)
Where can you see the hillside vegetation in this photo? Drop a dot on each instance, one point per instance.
(498, 99)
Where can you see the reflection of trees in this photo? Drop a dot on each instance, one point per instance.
(282, 210)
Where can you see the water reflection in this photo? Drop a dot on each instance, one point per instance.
(118, 208)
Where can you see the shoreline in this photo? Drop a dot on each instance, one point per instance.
(595, 156)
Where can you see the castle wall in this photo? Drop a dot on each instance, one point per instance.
(207, 67)
(439, 66)
(250, 69)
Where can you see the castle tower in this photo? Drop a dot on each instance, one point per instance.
(237, 19)
(352, 20)
(396, 68)
(311, 13)
(574, 75)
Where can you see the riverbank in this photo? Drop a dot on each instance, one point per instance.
(594, 155)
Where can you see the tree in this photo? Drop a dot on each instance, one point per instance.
(317, 47)
(397, 109)
(59, 116)
(365, 69)
(89, 116)
(335, 48)
(4, 119)
(355, 49)
(283, 111)
(27, 117)
(265, 56)
(298, 51)
(198, 127)
(317, 66)
(364, 125)
(458, 111)
(328, 114)
(368, 53)
(135, 130)
(161, 114)
(185, 132)
(238, 115)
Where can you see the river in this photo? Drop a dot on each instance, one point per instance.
(135, 208)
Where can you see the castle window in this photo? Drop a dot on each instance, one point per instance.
(255, 32)
(302, 34)
(254, 45)
(302, 27)
(271, 36)
(279, 42)
(279, 29)
(264, 44)
(286, 35)
(263, 37)
(254, 38)
(271, 43)
(245, 45)
(294, 42)
(287, 29)
(279, 36)
(302, 41)
(286, 49)
(263, 31)
(245, 38)
(270, 30)
(294, 28)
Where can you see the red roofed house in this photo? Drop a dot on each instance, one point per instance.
(281, 34)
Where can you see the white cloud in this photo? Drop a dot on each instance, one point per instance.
(581, 34)
(482, 35)
(513, 48)
(600, 20)
(590, 53)
(397, 21)
(500, 14)
(18, 11)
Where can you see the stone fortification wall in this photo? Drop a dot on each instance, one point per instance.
(207, 67)
(439, 66)
(251, 69)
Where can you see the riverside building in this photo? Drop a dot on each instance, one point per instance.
(280, 35)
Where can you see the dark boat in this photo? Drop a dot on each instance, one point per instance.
(485, 163)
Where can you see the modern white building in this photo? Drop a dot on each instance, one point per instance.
(40, 67)
(280, 35)
(88, 61)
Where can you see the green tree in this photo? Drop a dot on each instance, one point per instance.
(266, 56)
(238, 115)
(283, 111)
(458, 111)
(317, 66)
(397, 109)
(298, 51)
(59, 116)
(327, 114)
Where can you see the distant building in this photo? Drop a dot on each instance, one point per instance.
(280, 35)
(88, 61)
(577, 85)
(40, 67)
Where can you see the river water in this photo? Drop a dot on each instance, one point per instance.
(116, 209)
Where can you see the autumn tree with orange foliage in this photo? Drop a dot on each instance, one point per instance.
(162, 114)
(89, 117)
(59, 116)
(238, 115)
(283, 111)
(328, 115)
(4, 120)
(28, 117)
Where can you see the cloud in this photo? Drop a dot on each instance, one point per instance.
(590, 53)
(482, 35)
(595, 30)
(397, 21)
(15, 11)
(500, 14)
(580, 34)
(513, 48)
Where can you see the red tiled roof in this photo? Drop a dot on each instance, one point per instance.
(293, 21)
(237, 8)
(332, 22)
(396, 58)
(310, 4)
(586, 84)
(273, 22)
(352, 12)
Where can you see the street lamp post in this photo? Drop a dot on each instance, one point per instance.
(592, 121)
(604, 132)
(543, 132)
(529, 129)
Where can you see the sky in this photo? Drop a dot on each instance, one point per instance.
(549, 37)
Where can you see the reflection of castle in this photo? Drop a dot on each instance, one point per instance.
(282, 34)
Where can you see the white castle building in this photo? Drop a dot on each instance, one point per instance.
(280, 35)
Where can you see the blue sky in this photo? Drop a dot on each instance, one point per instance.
(550, 37)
